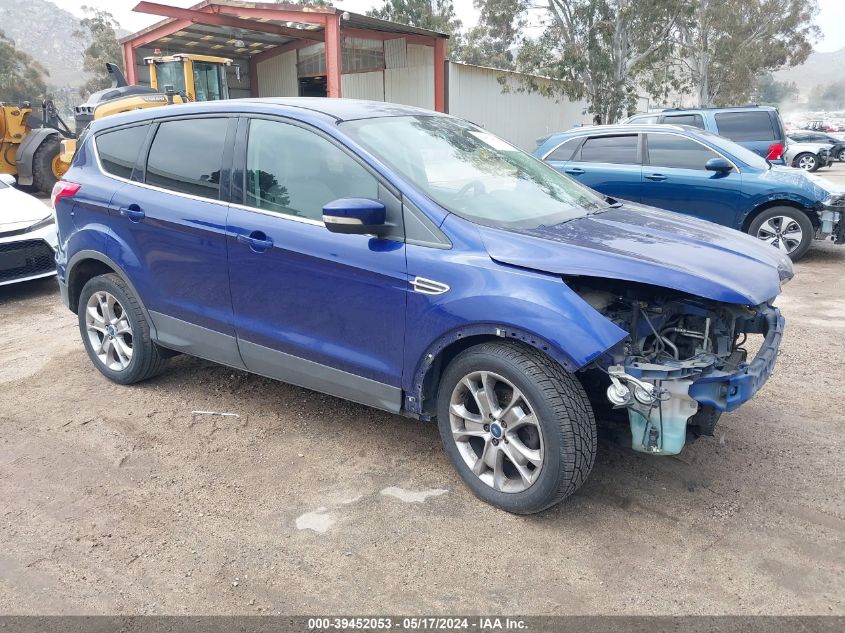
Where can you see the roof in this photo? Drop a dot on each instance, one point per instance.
(630, 128)
(314, 108)
(350, 20)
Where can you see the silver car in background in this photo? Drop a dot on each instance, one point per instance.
(28, 237)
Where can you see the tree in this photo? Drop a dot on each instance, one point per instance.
(599, 50)
(434, 15)
(722, 45)
(21, 77)
(494, 40)
(768, 91)
(829, 96)
(99, 28)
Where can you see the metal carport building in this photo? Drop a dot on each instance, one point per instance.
(286, 50)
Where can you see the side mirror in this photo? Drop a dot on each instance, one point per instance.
(356, 216)
(8, 179)
(718, 164)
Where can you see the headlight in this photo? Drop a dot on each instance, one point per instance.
(42, 223)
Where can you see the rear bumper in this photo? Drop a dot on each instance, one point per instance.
(727, 392)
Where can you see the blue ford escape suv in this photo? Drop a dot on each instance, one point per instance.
(413, 262)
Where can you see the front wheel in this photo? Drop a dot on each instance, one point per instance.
(785, 228)
(842, 155)
(807, 162)
(516, 426)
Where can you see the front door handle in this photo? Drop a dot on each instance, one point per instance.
(133, 212)
(575, 171)
(257, 241)
(657, 177)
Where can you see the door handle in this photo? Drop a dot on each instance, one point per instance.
(133, 212)
(657, 177)
(575, 171)
(257, 241)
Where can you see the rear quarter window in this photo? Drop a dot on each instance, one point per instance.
(565, 150)
(695, 120)
(118, 150)
(746, 126)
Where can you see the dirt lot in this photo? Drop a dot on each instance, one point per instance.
(121, 500)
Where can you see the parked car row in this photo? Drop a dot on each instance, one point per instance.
(688, 170)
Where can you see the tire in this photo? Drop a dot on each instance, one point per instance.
(145, 360)
(841, 156)
(766, 224)
(43, 177)
(562, 443)
(807, 162)
(704, 421)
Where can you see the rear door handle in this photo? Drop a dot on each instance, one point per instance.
(257, 241)
(133, 212)
(657, 177)
(575, 171)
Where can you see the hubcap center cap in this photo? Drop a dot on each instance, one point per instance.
(110, 330)
(496, 430)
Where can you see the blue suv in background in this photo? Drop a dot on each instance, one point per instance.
(412, 262)
(684, 169)
(758, 128)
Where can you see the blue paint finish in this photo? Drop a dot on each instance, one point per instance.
(347, 301)
(728, 199)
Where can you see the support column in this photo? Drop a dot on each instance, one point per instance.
(333, 56)
(253, 77)
(440, 74)
(129, 63)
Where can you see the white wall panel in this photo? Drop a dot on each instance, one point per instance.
(277, 76)
(475, 94)
(395, 53)
(419, 55)
(363, 86)
(410, 86)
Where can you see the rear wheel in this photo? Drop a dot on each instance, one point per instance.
(785, 228)
(807, 162)
(842, 155)
(47, 168)
(115, 331)
(516, 426)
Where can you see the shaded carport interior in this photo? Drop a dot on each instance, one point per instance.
(281, 49)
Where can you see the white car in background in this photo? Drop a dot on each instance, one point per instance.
(807, 156)
(28, 238)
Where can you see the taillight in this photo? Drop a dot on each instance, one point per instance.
(63, 189)
(775, 151)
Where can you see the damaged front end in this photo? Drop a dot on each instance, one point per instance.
(684, 360)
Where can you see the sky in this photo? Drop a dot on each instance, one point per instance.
(831, 17)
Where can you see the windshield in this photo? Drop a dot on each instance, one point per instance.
(752, 159)
(473, 173)
(170, 74)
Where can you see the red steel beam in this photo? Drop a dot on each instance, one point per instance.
(215, 19)
(311, 15)
(129, 64)
(440, 74)
(333, 56)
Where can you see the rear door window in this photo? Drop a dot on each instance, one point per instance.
(746, 126)
(564, 151)
(118, 150)
(694, 120)
(186, 156)
(671, 150)
(619, 150)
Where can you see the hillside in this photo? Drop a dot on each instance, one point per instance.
(43, 30)
(818, 69)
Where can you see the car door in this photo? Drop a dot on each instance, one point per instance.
(608, 163)
(674, 178)
(171, 217)
(314, 308)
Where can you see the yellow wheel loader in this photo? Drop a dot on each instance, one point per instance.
(38, 149)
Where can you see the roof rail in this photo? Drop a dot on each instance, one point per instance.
(748, 105)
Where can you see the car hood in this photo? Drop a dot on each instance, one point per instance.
(814, 187)
(19, 210)
(647, 245)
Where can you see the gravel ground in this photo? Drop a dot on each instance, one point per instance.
(122, 500)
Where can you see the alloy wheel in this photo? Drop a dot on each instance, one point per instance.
(496, 431)
(807, 163)
(109, 330)
(782, 232)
